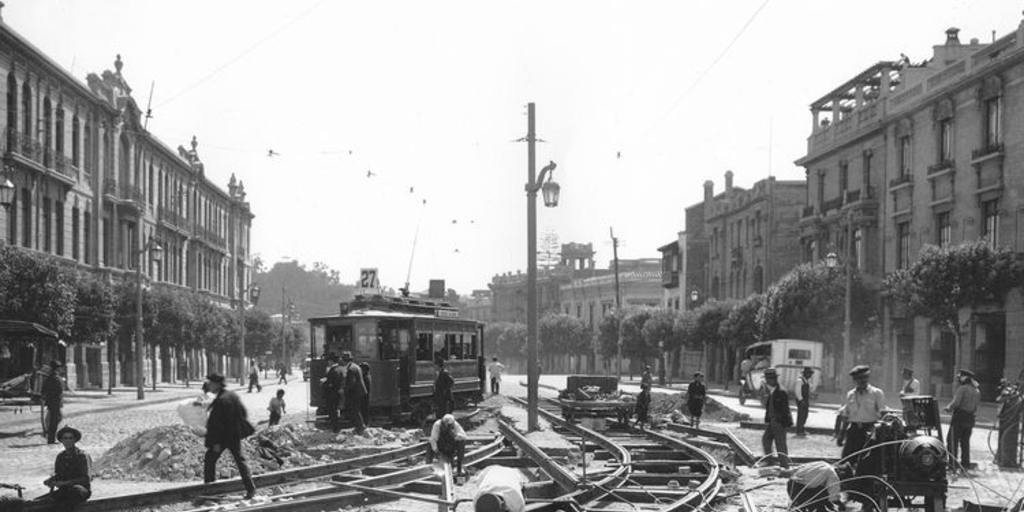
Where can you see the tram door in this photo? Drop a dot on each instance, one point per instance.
(392, 341)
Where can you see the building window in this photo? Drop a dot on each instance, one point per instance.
(47, 132)
(59, 141)
(990, 221)
(943, 230)
(26, 217)
(12, 101)
(993, 121)
(47, 225)
(905, 155)
(844, 178)
(758, 279)
(902, 245)
(26, 110)
(821, 188)
(58, 210)
(858, 248)
(108, 241)
(945, 140)
(87, 238)
(12, 222)
(76, 148)
(75, 227)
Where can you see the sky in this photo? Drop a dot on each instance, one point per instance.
(384, 134)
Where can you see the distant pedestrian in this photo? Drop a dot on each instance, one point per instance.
(777, 418)
(444, 400)
(69, 485)
(645, 377)
(254, 379)
(802, 393)
(911, 386)
(282, 374)
(51, 390)
(448, 439)
(364, 368)
(963, 407)
(643, 405)
(226, 426)
(495, 369)
(277, 408)
(863, 407)
(354, 391)
(696, 396)
(331, 390)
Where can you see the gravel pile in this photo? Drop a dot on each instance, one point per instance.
(667, 404)
(175, 452)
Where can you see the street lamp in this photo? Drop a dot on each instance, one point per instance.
(550, 191)
(6, 194)
(832, 261)
(694, 297)
(253, 291)
(156, 253)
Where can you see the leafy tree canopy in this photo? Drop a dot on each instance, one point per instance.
(563, 334)
(709, 317)
(37, 289)
(740, 328)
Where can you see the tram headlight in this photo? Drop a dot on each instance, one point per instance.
(923, 458)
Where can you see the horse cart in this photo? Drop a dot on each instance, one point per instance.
(25, 347)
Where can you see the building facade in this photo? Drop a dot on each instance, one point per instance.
(508, 291)
(93, 187)
(905, 155)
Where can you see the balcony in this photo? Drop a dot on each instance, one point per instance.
(173, 219)
(209, 237)
(941, 166)
(808, 211)
(900, 180)
(45, 158)
(832, 204)
(984, 153)
(669, 278)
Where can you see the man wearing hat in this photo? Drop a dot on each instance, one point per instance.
(354, 391)
(911, 386)
(802, 393)
(696, 395)
(331, 388)
(863, 407)
(51, 390)
(226, 426)
(645, 377)
(777, 417)
(963, 407)
(69, 485)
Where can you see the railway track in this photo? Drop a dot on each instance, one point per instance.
(628, 467)
(315, 488)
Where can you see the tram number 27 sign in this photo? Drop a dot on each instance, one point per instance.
(368, 278)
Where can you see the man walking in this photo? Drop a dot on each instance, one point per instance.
(862, 408)
(911, 386)
(282, 374)
(803, 400)
(777, 417)
(254, 379)
(226, 426)
(696, 394)
(963, 407)
(331, 388)
(51, 390)
(495, 369)
(354, 391)
(444, 401)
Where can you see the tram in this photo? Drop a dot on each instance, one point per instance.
(400, 338)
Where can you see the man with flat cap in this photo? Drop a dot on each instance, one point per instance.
(802, 393)
(354, 390)
(226, 426)
(51, 390)
(863, 407)
(963, 407)
(69, 485)
(911, 386)
(777, 418)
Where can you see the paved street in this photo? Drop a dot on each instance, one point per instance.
(106, 420)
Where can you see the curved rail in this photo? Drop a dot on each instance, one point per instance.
(623, 484)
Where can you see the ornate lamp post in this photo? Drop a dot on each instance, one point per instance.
(253, 291)
(550, 191)
(156, 253)
(6, 193)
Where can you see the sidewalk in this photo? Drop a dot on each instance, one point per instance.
(88, 401)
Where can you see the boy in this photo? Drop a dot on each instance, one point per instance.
(276, 408)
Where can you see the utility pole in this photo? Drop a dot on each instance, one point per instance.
(532, 373)
(847, 356)
(284, 345)
(618, 303)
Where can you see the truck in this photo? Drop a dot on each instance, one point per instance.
(789, 357)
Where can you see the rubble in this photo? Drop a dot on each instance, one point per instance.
(170, 453)
(674, 405)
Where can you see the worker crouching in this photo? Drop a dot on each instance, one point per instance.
(815, 486)
(448, 440)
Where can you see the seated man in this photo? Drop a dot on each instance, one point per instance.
(815, 486)
(448, 439)
(69, 485)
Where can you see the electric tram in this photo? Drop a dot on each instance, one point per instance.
(400, 338)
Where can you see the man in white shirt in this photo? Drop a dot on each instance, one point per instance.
(500, 489)
(495, 369)
(448, 439)
(863, 406)
(911, 386)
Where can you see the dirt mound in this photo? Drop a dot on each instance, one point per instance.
(176, 452)
(667, 403)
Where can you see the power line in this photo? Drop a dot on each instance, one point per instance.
(707, 70)
(247, 51)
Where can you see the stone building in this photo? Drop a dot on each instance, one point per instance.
(93, 187)
(477, 306)
(508, 291)
(903, 155)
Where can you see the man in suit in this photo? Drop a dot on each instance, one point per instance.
(803, 400)
(777, 418)
(354, 391)
(226, 426)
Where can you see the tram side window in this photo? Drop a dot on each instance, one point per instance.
(389, 344)
(424, 346)
(475, 346)
(451, 341)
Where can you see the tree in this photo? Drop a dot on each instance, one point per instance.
(740, 328)
(36, 289)
(95, 310)
(511, 341)
(809, 301)
(947, 284)
(633, 343)
(608, 336)
(563, 334)
(660, 329)
(709, 318)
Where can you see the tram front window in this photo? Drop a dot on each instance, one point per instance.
(424, 346)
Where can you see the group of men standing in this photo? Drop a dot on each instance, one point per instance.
(346, 388)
